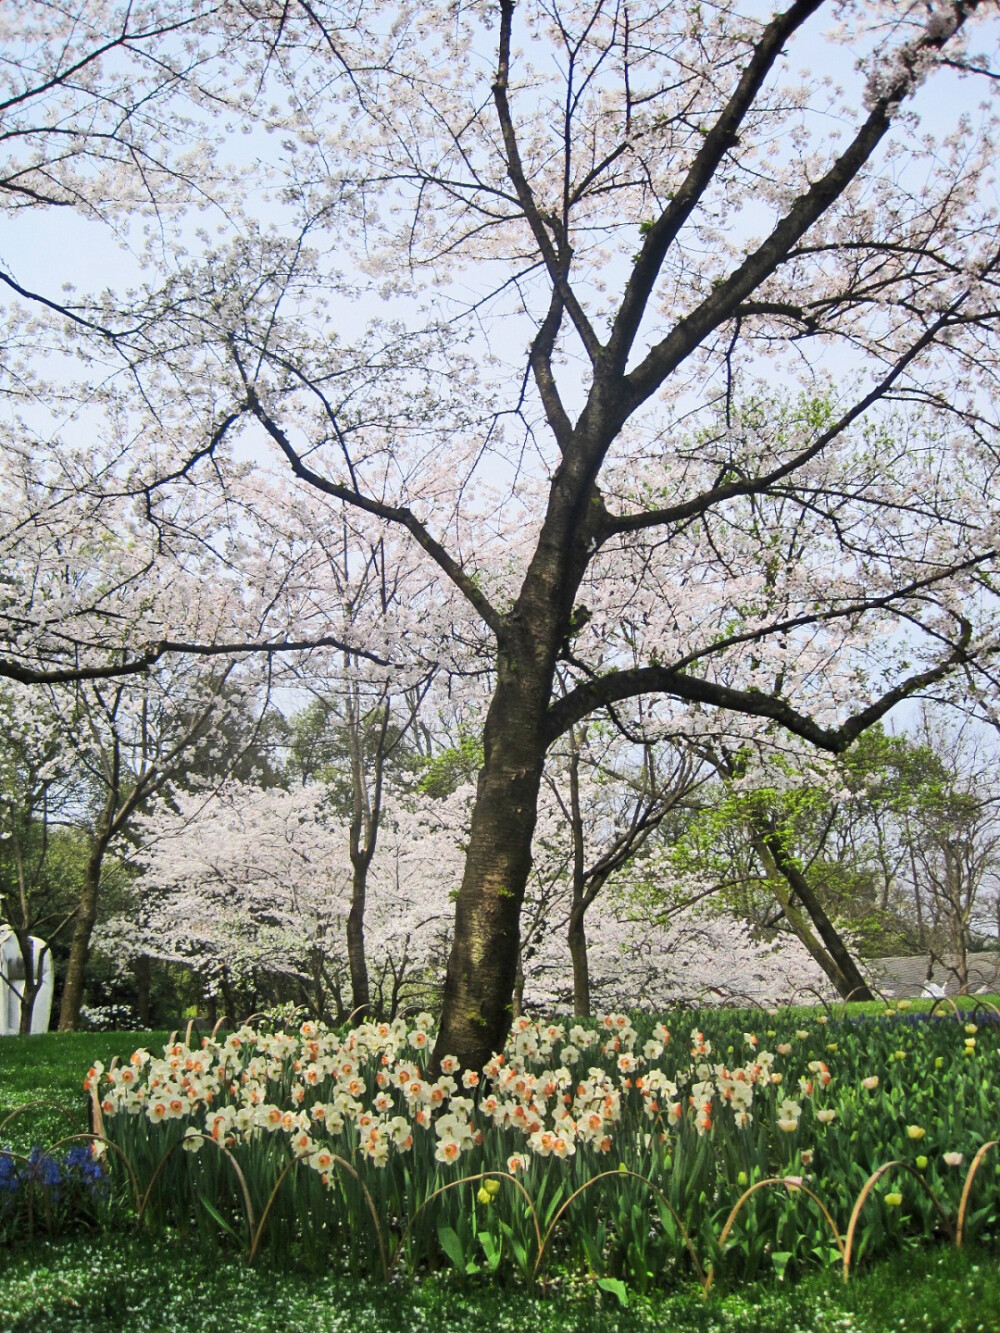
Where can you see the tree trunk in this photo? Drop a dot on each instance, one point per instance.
(796, 920)
(479, 984)
(142, 970)
(365, 816)
(228, 998)
(360, 992)
(30, 981)
(517, 1002)
(848, 979)
(577, 936)
(83, 929)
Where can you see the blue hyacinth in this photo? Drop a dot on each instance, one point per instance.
(10, 1176)
(70, 1181)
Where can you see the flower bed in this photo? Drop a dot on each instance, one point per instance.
(618, 1150)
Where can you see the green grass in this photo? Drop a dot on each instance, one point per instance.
(147, 1285)
(50, 1067)
(856, 1008)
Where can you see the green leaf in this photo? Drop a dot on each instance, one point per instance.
(592, 1251)
(216, 1216)
(492, 1250)
(615, 1287)
(780, 1260)
(518, 1248)
(452, 1246)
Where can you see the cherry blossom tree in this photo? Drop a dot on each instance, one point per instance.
(612, 798)
(237, 882)
(376, 713)
(132, 738)
(692, 955)
(114, 111)
(670, 220)
(242, 882)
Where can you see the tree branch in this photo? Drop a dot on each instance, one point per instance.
(720, 139)
(556, 263)
(756, 485)
(726, 299)
(400, 515)
(674, 682)
(141, 662)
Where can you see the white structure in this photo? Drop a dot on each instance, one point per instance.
(12, 975)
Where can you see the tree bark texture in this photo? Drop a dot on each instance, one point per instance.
(83, 929)
(479, 984)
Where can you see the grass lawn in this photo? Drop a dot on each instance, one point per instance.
(50, 1067)
(857, 1008)
(102, 1284)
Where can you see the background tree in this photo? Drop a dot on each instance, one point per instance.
(133, 738)
(611, 802)
(251, 889)
(247, 887)
(40, 856)
(952, 836)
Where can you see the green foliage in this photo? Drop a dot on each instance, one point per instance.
(845, 825)
(50, 1067)
(160, 1285)
(450, 768)
(321, 743)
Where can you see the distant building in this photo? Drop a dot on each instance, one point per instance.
(909, 978)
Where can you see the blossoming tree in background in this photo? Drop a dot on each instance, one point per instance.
(251, 887)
